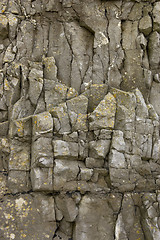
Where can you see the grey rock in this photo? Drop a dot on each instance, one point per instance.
(78, 105)
(64, 149)
(141, 108)
(118, 142)
(3, 26)
(99, 149)
(61, 119)
(117, 160)
(42, 125)
(50, 68)
(85, 174)
(82, 149)
(18, 181)
(19, 156)
(55, 93)
(13, 23)
(42, 153)
(68, 207)
(36, 82)
(94, 163)
(92, 214)
(22, 108)
(65, 171)
(104, 114)
(145, 25)
(154, 96)
(156, 18)
(153, 48)
(42, 179)
(21, 128)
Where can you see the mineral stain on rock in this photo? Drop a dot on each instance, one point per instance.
(79, 120)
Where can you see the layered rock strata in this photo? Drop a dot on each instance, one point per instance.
(79, 120)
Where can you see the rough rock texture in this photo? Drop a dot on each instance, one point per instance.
(79, 120)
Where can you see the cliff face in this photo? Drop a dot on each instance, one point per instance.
(79, 120)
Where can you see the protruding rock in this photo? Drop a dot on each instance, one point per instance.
(64, 149)
(104, 114)
(42, 179)
(50, 68)
(145, 25)
(3, 26)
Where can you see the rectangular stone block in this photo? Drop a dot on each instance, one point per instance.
(94, 163)
(42, 153)
(99, 149)
(19, 181)
(64, 172)
(42, 179)
(21, 128)
(19, 158)
(42, 124)
(64, 149)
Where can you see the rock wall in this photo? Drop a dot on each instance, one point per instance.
(79, 120)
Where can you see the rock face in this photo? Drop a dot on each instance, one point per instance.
(79, 120)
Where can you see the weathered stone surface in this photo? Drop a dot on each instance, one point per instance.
(154, 96)
(19, 156)
(21, 128)
(24, 213)
(68, 207)
(92, 222)
(36, 82)
(3, 26)
(156, 18)
(50, 69)
(145, 25)
(79, 119)
(64, 149)
(42, 124)
(117, 160)
(42, 179)
(61, 119)
(65, 171)
(99, 149)
(18, 181)
(55, 93)
(104, 114)
(94, 163)
(42, 153)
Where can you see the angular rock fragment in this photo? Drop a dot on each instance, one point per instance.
(18, 181)
(64, 149)
(61, 119)
(118, 141)
(13, 23)
(78, 105)
(42, 179)
(3, 26)
(42, 125)
(104, 114)
(65, 171)
(19, 156)
(94, 163)
(145, 25)
(50, 68)
(95, 219)
(99, 149)
(42, 153)
(36, 82)
(21, 128)
(117, 160)
(55, 93)
(156, 17)
(68, 207)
